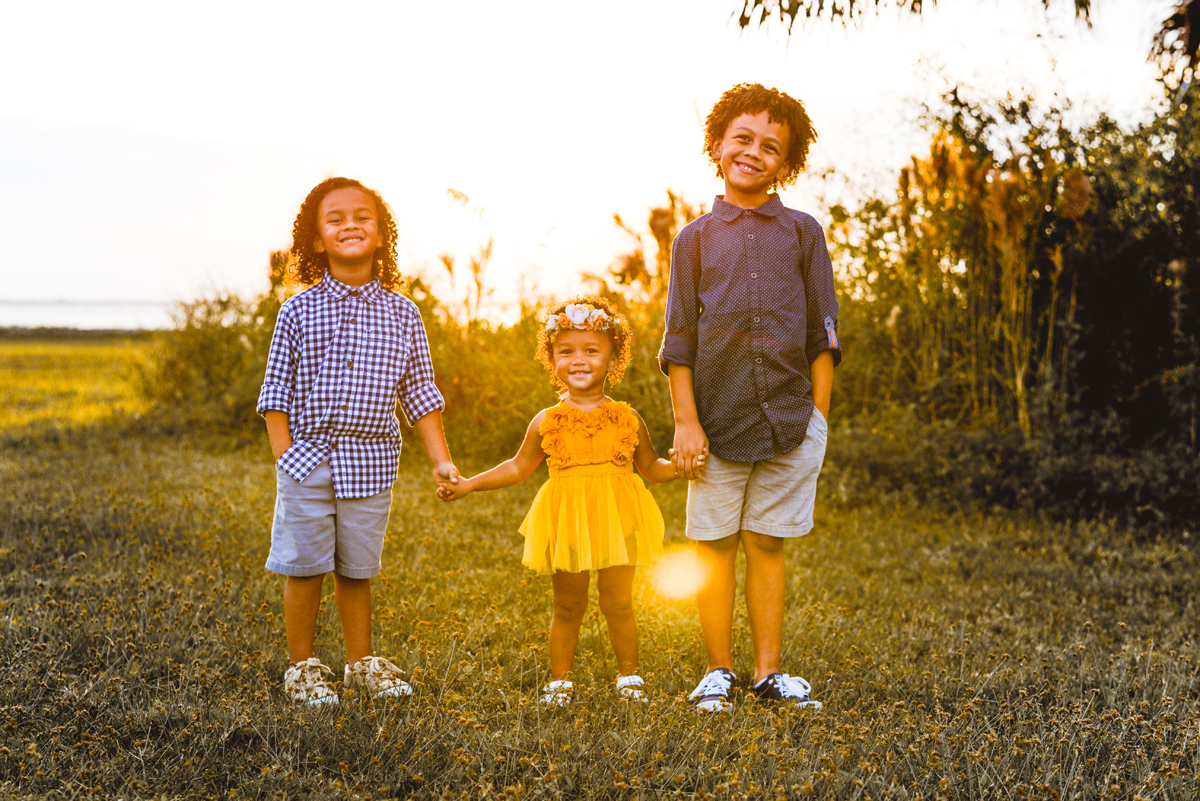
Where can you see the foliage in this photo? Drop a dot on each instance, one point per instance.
(143, 653)
(208, 371)
(1040, 281)
(1176, 45)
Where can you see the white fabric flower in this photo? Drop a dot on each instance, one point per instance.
(551, 322)
(577, 313)
(597, 320)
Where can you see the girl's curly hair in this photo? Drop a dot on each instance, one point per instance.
(308, 266)
(754, 98)
(618, 332)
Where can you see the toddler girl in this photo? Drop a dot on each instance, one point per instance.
(593, 513)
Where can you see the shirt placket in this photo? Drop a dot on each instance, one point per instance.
(755, 282)
(349, 340)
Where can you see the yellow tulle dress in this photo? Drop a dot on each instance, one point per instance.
(594, 512)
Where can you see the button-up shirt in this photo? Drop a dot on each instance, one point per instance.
(340, 358)
(750, 304)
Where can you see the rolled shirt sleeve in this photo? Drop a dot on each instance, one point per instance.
(419, 394)
(683, 303)
(277, 389)
(821, 300)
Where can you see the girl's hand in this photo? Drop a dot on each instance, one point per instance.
(447, 477)
(691, 450)
(453, 491)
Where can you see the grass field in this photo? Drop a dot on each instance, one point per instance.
(141, 649)
(48, 381)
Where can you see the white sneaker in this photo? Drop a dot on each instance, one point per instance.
(630, 689)
(304, 683)
(787, 689)
(557, 693)
(378, 677)
(712, 693)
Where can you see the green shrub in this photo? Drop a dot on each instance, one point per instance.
(207, 372)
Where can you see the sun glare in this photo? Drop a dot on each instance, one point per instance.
(676, 575)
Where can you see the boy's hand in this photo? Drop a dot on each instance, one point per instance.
(690, 451)
(446, 475)
(452, 492)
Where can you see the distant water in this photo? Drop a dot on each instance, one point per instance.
(131, 315)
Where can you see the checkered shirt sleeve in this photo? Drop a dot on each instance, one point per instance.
(341, 358)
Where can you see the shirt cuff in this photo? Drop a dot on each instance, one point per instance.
(423, 400)
(676, 350)
(274, 397)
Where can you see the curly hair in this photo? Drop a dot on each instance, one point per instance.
(618, 332)
(754, 98)
(308, 266)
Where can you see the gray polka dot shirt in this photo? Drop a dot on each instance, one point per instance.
(750, 304)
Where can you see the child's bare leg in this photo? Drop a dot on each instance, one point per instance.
(717, 560)
(354, 607)
(615, 585)
(764, 600)
(301, 603)
(570, 602)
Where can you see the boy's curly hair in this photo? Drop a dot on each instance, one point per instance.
(754, 98)
(618, 332)
(308, 266)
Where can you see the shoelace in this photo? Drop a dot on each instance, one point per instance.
(715, 683)
(793, 686)
(309, 676)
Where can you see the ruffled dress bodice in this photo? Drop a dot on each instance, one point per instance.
(594, 511)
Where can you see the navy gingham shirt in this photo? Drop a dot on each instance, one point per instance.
(750, 304)
(340, 357)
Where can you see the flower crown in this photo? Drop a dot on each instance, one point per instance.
(578, 317)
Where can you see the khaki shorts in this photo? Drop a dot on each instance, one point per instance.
(773, 497)
(315, 533)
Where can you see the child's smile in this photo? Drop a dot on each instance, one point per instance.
(581, 361)
(752, 153)
(348, 228)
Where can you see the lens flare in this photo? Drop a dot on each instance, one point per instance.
(676, 575)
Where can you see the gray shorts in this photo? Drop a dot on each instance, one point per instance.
(314, 532)
(773, 497)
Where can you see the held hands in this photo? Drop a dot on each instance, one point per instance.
(690, 452)
(450, 484)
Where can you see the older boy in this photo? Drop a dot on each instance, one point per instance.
(749, 348)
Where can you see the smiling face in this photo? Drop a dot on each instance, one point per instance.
(581, 360)
(348, 230)
(752, 153)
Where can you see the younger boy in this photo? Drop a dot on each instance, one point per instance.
(343, 351)
(749, 348)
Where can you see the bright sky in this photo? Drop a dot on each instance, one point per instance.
(160, 151)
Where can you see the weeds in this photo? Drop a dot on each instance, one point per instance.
(960, 656)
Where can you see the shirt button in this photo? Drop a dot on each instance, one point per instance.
(754, 275)
(354, 294)
(756, 319)
(345, 408)
(764, 405)
(333, 446)
(350, 362)
(759, 361)
(353, 320)
(750, 236)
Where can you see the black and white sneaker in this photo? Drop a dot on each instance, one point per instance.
(712, 693)
(788, 689)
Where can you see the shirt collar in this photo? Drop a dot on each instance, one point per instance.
(729, 212)
(368, 291)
